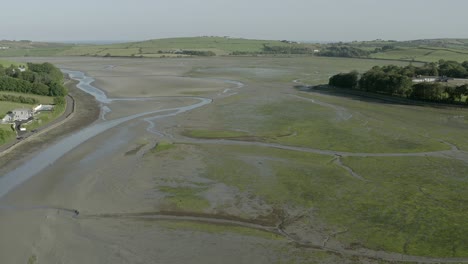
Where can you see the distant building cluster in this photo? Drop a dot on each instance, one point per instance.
(421, 79)
(290, 42)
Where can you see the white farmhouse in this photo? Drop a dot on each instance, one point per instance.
(18, 115)
(425, 79)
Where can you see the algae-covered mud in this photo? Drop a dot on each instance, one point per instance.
(223, 160)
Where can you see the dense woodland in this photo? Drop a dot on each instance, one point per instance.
(40, 79)
(278, 50)
(347, 51)
(206, 53)
(397, 81)
(344, 51)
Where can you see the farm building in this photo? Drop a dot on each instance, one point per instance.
(42, 107)
(25, 113)
(18, 115)
(421, 79)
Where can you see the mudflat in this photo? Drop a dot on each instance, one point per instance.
(222, 160)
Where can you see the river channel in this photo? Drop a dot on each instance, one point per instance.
(50, 155)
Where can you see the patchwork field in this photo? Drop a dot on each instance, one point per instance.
(263, 172)
(423, 54)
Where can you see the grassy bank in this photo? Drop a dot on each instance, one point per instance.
(7, 134)
(423, 54)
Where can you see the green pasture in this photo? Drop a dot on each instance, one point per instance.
(149, 48)
(5, 107)
(82, 51)
(225, 45)
(33, 52)
(153, 48)
(7, 63)
(423, 54)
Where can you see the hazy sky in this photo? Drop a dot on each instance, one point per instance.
(319, 20)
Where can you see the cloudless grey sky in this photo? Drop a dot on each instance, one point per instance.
(318, 20)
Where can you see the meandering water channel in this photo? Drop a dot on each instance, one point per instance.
(48, 156)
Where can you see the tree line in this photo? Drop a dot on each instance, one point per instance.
(280, 50)
(343, 51)
(207, 53)
(40, 79)
(295, 49)
(18, 99)
(397, 81)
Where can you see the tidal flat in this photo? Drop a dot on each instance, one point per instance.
(257, 171)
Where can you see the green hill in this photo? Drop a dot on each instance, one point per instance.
(174, 46)
(169, 47)
(425, 50)
(25, 48)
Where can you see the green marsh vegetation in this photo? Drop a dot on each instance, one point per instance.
(185, 198)
(408, 205)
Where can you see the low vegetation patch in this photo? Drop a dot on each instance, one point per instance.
(163, 146)
(414, 205)
(185, 198)
(334, 127)
(220, 229)
(410, 205)
(214, 134)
